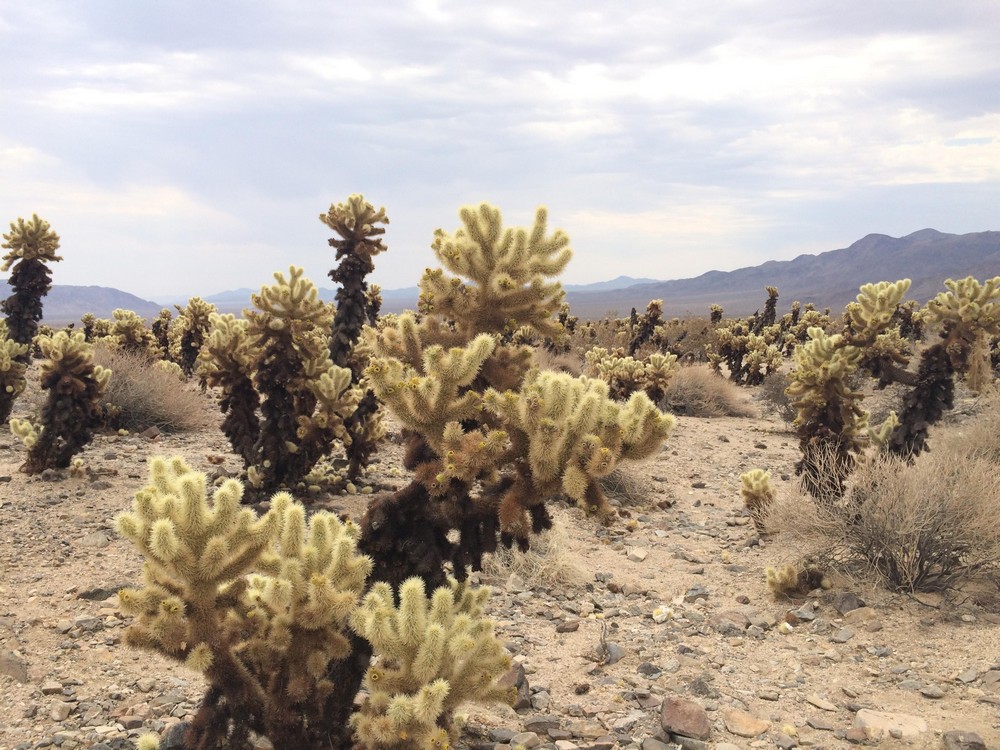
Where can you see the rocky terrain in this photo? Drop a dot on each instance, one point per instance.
(656, 632)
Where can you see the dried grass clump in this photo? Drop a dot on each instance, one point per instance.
(141, 394)
(696, 391)
(926, 526)
(548, 563)
(772, 393)
(558, 361)
(627, 488)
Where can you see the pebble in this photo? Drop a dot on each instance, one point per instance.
(684, 717)
(744, 724)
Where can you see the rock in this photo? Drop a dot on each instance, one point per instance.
(15, 667)
(637, 554)
(932, 691)
(526, 740)
(150, 433)
(516, 678)
(821, 703)
(51, 687)
(173, 738)
(96, 539)
(957, 740)
(651, 743)
(743, 724)
(566, 745)
(541, 724)
(847, 602)
(615, 654)
(681, 716)
(843, 635)
(821, 723)
(880, 724)
(60, 710)
(968, 676)
(695, 593)
(568, 626)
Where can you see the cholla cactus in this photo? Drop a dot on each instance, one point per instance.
(832, 425)
(431, 656)
(161, 332)
(12, 368)
(264, 606)
(758, 494)
(130, 334)
(303, 397)
(358, 240)
(188, 333)
(72, 409)
(489, 442)
(30, 246)
(646, 325)
(966, 313)
(627, 375)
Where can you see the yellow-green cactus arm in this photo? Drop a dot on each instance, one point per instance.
(433, 654)
(872, 313)
(968, 304)
(29, 240)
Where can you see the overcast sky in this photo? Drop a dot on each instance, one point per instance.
(187, 148)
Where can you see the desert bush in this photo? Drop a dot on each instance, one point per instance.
(696, 391)
(772, 392)
(548, 563)
(924, 525)
(141, 393)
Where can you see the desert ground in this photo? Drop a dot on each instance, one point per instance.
(624, 633)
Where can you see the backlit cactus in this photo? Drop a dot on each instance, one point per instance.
(30, 245)
(12, 368)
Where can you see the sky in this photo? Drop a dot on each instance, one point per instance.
(187, 148)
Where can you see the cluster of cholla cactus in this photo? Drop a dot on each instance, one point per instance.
(832, 424)
(269, 609)
(30, 246)
(754, 347)
(129, 334)
(624, 375)
(72, 410)
(286, 402)
(490, 440)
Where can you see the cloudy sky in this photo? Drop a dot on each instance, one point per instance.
(184, 148)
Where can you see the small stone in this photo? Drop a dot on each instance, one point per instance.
(516, 678)
(60, 710)
(500, 735)
(821, 703)
(957, 740)
(51, 687)
(566, 745)
(932, 691)
(526, 740)
(695, 593)
(96, 539)
(615, 654)
(843, 635)
(541, 724)
(769, 695)
(821, 723)
(968, 676)
(568, 626)
(878, 724)
(687, 718)
(636, 554)
(743, 724)
(847, 602)
(651, 743)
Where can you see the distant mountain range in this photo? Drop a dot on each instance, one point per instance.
(829, 279)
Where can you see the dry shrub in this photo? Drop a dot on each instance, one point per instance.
(772, 393)
(140, 394)
(568, 362)
(926, 526)
(548, 563)
(696, 391)
(624, 487)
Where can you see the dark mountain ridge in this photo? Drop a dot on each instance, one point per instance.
(830, 279)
